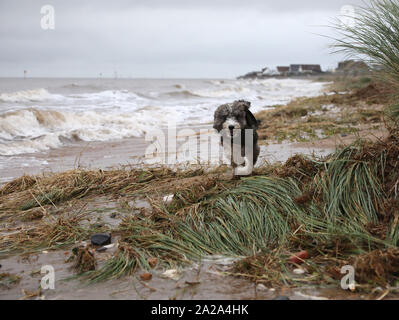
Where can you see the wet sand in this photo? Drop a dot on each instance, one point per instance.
(203, 281)
(131, 152)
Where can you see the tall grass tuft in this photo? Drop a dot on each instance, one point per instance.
(374, 37)
(261, 214)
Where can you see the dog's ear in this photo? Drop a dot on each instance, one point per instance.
(251, 120)
(218, 125)
(218, 119)
(244, 103)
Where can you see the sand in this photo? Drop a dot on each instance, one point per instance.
(131, 152)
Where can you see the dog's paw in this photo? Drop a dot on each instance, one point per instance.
(245, 170)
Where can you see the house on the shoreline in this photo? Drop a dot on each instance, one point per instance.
(298, 69)
(352, 67)
(285, 71)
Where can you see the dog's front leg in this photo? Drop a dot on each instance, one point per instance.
(245, 170)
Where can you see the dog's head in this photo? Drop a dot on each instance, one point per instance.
(235, 116)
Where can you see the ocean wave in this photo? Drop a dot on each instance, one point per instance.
(57, 120)
(180, 94)
(34, 130)
(80, 87)
(226, 92)
(35, 95)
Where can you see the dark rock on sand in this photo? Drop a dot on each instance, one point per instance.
(101, 239)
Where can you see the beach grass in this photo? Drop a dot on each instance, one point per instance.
(373, 37)
(337, 208)
(325, 116)
(341, 209)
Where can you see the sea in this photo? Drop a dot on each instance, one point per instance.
(42, 114)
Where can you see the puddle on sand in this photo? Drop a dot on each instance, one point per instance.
(204, 281)
(196, 282)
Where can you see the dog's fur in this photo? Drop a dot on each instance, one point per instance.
(231, 120)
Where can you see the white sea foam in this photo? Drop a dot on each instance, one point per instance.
(37, 120)
(33, 130)
(34, 95)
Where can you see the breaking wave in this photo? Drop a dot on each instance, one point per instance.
(32, 130)
(35, 95)
(37, 120)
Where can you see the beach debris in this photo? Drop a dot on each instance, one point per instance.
(377, 265)
(148, 287)
(168, 199)
(104, 248)
(281, 298)
(152, 262)
(299, 271)
(299, 257)
(35, 272)
(310, 297)
(261, 287)
(146, 276)
(33, 214)
(100, 239)
(192, 283)
(114, 215)
(171, 274)
(30, 294)
(84, 260)
(8, 279)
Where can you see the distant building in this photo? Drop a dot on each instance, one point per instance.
(352, 67)
(296, 69)
(305, 68)
(283, 70)
(292, 70)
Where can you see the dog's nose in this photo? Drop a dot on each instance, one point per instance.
(231, 127)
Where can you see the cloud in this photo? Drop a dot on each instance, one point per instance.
(155, 38)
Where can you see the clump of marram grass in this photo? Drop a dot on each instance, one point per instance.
(374, 37)
(378, 266)
(51, 233)
(83, 260)
(261, 215)
(38, 191)
(315, 118)
(53, 222)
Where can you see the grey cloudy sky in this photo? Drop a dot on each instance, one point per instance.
(165, 38)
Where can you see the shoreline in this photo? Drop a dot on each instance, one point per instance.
(130, 153)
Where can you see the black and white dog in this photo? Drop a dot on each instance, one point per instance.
(237, 126)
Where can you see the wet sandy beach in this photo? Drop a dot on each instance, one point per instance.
(131, 152)
(204, 281)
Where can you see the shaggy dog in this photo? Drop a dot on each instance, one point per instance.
(237, 126)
